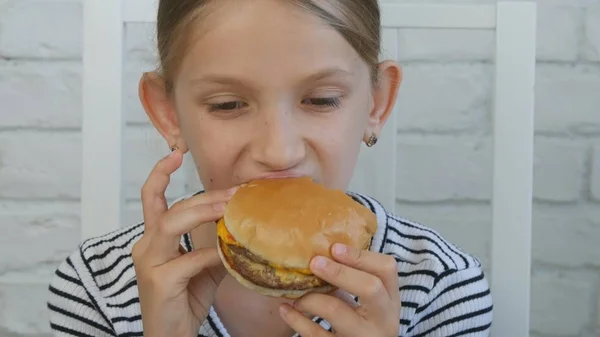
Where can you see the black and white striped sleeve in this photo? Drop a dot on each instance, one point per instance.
(459, 304)
(73, 311)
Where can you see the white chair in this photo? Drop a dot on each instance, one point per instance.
(515, 26)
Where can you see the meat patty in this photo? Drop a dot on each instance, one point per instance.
(257, 270)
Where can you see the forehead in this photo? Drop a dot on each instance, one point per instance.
(266, 37)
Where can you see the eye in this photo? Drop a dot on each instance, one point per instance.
(323, 102)
(227, 106)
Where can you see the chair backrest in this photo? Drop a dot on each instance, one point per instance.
(515, 27)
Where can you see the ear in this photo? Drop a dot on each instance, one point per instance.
(160, 108)
(384, 94)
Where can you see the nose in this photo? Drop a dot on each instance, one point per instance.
(278, 144)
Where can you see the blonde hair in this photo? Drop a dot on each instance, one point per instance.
(358, 21)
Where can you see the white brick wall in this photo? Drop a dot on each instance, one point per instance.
(558, 167)
(591, 47)
(451, 110)
(52, 29)
(568, 90)
(444, 153)
(595, 175)
(443, 168)
(562, 303)
(560, 25)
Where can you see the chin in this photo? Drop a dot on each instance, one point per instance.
(272, 228)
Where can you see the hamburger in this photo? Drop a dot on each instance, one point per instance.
(272, 228)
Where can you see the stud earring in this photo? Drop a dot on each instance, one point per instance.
(174, 147)
(372, 140)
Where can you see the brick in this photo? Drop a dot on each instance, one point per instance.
(444, 97)
(140, 49)
(6, 333)
(54, 29)
(561, 302)
(595, 176)
(445, 44)
(536, 334)
(3, 8)
(558, 32)
(56, 89)
(35, 94)
(140, 42)
(51, 227)
(567, 99)
(597, 327)
(443, 168)
(591, 41)
(52, 166)
(558, 170)
(590, 332)
(23, 309)
(467, 226)
(566, 235)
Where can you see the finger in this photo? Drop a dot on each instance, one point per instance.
(383, 266)
(369, 288)
(193, 263)
(300, 323)
(347, 298)
(154, 202)
(176, 224)
(338, 313)
(165, 240)
(208, 197)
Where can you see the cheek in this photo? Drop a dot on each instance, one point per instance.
(338, 145)
(212, 151)
(214, 161)
(339, 161)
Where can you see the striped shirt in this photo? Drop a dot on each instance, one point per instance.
(443, 289)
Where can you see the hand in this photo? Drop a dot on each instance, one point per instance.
(371, 276)
(176, 288)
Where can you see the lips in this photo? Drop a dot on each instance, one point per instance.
(278, 175)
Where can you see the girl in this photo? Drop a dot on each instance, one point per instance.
(254, 89)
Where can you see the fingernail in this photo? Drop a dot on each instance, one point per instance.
(340, 249)
(219, 207)
(232, 190)
(319, 262)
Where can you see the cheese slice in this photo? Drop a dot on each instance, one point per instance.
(224, 234)
(228, 239)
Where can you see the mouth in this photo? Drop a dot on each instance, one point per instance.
(280, 175)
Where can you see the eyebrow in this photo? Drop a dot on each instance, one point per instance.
(329, 72)
(218, 79)
(236, 81)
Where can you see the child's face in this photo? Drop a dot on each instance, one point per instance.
(266, 88)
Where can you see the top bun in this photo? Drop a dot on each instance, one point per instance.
(289, 221)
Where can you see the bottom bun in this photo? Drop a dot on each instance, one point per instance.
(284, 293)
